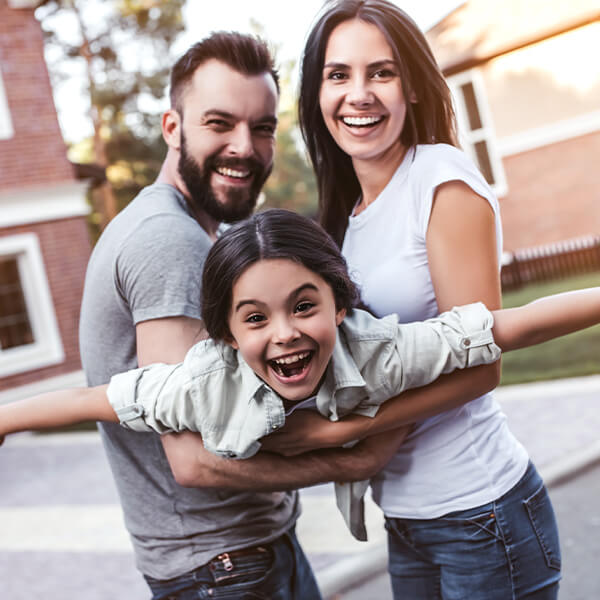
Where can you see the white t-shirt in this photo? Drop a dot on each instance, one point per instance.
(464, 457)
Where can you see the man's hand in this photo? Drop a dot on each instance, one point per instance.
(307, 430)
(194, 466)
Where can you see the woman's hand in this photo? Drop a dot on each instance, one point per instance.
(307, 430)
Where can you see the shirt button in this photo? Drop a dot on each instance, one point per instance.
(466, 342)
(273, 426)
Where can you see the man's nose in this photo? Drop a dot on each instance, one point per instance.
(240, 141)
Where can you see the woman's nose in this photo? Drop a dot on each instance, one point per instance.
(359, 93)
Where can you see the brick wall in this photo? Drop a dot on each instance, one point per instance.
(36, 153)
(65, 247)
(554, 193)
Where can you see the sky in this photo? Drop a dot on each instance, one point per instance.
(285, 23)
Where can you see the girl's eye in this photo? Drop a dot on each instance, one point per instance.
(304, 306)
(254, 319)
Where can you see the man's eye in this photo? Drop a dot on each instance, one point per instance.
(268, 130)
(304, 306)
(218, 123)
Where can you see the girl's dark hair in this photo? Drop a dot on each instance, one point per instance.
(430, 119)
(246, 54)
(271, 234)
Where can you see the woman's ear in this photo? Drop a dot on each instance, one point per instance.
(340, 315)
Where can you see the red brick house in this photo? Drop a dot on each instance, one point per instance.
(526, 82)
(44, 244)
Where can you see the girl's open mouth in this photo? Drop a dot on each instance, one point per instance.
(292, 365)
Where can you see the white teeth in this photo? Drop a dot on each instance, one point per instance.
(227, 172)
(361, 121)
(288, 360)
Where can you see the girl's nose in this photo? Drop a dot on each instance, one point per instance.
(284, 331)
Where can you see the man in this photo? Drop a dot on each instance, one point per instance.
(141, 305)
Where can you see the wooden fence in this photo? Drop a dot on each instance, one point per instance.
(551, 262)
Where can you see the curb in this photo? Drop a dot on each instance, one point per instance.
(346, 573)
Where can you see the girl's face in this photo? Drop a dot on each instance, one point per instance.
(361, 95)
(283, 320)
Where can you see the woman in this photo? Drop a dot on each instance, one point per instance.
(466, 512)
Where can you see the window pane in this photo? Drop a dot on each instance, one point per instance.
(468, 92)
(15, 328)
(483, 161)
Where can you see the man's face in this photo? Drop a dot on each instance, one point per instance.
(227, 139)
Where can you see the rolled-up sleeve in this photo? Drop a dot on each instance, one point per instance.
(459, 338)
(153, 398)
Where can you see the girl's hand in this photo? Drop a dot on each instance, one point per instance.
(307, 430)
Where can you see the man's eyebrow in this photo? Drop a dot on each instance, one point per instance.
(215, 112)
(223, 114)
(293, 293)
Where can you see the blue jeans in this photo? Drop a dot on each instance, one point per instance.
(504, 550)
(275, 571)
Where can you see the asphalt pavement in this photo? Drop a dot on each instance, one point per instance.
(62, 535)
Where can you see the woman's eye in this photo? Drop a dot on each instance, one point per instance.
(304, 306)
(383, 74)
(337, 76)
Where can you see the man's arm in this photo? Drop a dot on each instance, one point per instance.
(194, 466)
(167, 341)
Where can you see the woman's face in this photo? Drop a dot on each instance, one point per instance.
(361, 95)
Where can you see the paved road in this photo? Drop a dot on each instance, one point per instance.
(62, 537)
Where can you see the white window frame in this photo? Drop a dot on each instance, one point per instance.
(47, 348)
(468, 137)
(6, 126)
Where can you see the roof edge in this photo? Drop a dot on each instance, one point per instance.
(462, 65)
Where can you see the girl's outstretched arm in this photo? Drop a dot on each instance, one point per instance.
(56, 409)
(546, 318)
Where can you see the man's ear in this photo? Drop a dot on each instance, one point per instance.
(171, 128)
(340, 315)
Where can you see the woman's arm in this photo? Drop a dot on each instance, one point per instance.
(546, 318)
(56, 409)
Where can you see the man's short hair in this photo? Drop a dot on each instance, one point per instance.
(244, 53)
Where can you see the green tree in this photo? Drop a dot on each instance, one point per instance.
(124, 47)
(292, 184)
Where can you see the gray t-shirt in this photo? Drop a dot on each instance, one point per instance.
(147, 265)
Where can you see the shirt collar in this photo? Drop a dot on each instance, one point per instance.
(341, 373)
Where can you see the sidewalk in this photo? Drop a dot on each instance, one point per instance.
(61, 531)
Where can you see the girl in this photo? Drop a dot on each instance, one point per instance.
(278, 305)
(467, 514)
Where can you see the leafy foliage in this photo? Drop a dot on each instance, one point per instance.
(123, 48)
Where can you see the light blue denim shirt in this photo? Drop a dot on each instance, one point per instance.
(214, 392)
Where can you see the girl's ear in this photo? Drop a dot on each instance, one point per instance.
(340, 315)
(229, 339)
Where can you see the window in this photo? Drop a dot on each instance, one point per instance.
(6, 128)
(475, 127)
(29, 337)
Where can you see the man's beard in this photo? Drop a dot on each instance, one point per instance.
(238, 203)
